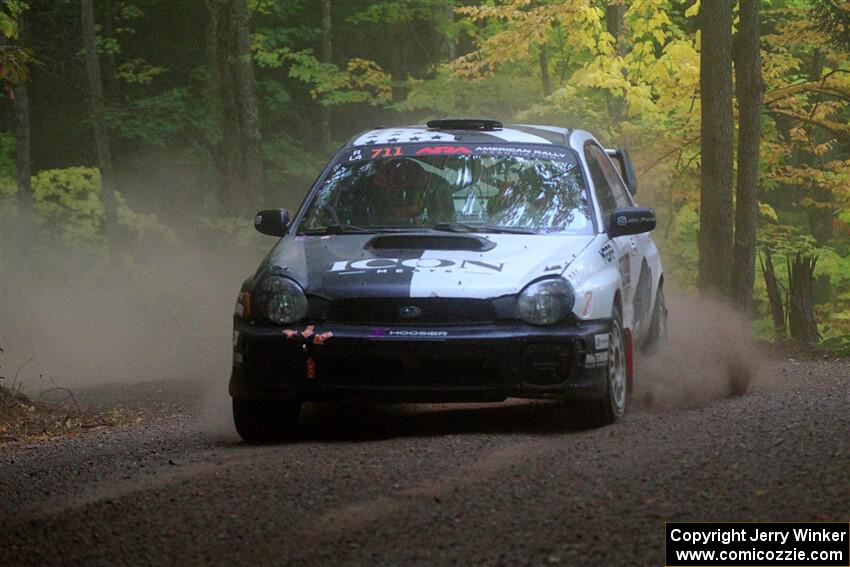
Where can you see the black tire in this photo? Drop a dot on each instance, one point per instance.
(658, 327)
(611, 405)
(265, 421)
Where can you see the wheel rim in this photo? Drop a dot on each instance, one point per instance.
(617, 367)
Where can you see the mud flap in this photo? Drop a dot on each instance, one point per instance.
(630, 361)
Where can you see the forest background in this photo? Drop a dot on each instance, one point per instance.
(213, 109)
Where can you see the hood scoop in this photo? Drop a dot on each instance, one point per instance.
(430, 242)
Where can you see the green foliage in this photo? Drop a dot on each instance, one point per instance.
(70, 207)
(154, 119)
(839, 344)
(640, 90)
(138, 71)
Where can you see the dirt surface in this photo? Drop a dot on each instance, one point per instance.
(422, 485)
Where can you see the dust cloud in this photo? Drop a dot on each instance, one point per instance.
(160, 309)
(710, 354)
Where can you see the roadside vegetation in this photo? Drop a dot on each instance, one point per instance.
(172, 122)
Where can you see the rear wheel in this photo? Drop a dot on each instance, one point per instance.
(611, 405)
(266, 421)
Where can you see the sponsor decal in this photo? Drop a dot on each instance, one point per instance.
(626, 270)
(258, 220)
(235, 338)
(521, 152)
(394, 151)
(444, 146)
(598, 360)
(601, 341)
(398, 266)
(607, 252)
(443, 150)
(575, 272)
(385, 333)
(623, 220)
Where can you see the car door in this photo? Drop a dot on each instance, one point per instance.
(611, 193)
(641, 277)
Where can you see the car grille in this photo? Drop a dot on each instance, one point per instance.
(434, 311)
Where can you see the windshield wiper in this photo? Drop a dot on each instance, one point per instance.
(462, 227)
(339, 229)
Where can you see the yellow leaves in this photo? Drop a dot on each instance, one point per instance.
(523, 25)
(364, 74)
(767, 213)
(639, 100)
(798, 134)
(693, 10)
(822, 149)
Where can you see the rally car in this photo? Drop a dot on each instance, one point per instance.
(461, 260)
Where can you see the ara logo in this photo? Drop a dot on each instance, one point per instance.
(623, 220)
(258, 220)
(444, 150)
(385, 265)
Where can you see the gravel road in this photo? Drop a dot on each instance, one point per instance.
(424, 485)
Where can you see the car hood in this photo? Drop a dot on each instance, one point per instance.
(421, 265)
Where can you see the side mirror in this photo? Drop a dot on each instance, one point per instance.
(627, 171)
(630, 220)
(273, 222)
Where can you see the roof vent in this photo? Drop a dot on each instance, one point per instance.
(480, 124)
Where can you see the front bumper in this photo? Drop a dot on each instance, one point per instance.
(419, 364)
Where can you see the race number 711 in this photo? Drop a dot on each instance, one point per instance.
(386, 152)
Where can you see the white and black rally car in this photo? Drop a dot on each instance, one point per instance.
(459, 261)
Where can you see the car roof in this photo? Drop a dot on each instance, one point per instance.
(509, 133)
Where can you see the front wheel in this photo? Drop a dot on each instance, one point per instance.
(265, 421)
(611, 405)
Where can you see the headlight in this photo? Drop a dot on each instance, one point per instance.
(281, 300)
(546, 302)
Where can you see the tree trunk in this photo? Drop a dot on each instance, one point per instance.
(801, 304)
(774, 296)
(749, 89)
(110, 82)
(446, 43)
(614, 13)
(239, 160)
(101, 134)
(23, 155)
(326, 58)
(715, 223)
(253, 177)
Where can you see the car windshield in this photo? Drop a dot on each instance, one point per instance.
(471, 192)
